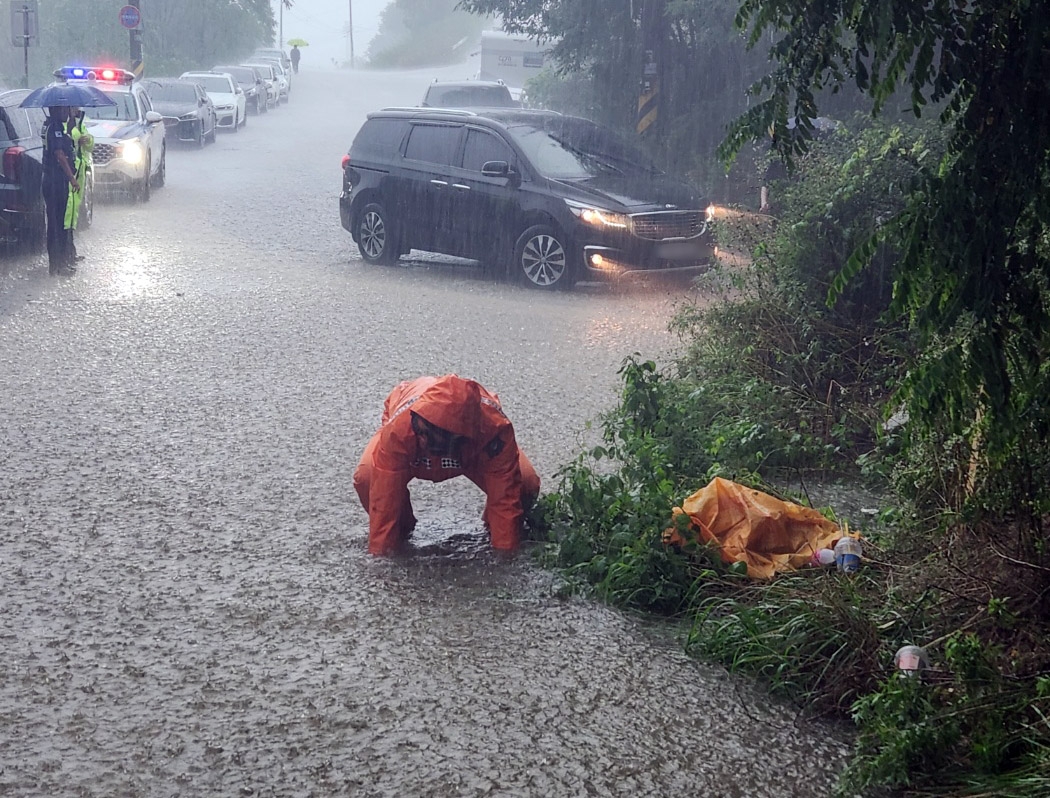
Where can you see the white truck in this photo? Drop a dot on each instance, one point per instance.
(511, 58)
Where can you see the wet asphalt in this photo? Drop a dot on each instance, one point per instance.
(186, 604)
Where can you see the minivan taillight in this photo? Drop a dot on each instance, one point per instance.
(346, 160)
(13, 163)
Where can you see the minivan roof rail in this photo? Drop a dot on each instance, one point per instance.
(430, 110)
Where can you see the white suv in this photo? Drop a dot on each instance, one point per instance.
(130, 148)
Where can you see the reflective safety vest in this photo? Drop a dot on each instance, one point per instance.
(83, 143)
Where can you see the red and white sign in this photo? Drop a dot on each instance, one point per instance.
(130, 17)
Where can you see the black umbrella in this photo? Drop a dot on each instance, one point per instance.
(72, 94)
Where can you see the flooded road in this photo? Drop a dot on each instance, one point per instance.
(188, 608)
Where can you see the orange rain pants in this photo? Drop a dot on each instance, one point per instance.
(489, 457)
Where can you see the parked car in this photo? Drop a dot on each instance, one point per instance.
(21, 203)
(284, 77)
(251, 83)
(269, 77)
(469, 94)
(21, 200)
(130, 143)
(545, 197)
(226, 95)
(189, 114)
(269, 53)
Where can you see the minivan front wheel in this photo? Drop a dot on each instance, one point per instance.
(542, 260)
(376, 238)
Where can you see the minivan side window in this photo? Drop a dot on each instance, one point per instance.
(433, 143)
(7, 126)
(483, 147)
(379, 139)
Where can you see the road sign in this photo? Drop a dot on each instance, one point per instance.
(130, 17)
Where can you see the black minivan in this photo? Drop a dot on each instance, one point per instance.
(547, 198)
(21, 203)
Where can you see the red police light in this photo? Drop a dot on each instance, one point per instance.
(346, 160)
(104, 74)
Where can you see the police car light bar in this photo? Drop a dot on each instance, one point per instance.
(101, 74)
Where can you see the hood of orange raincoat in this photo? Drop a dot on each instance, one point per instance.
(452, 403)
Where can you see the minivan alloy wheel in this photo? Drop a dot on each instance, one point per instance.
(542, 259)
(375, 236)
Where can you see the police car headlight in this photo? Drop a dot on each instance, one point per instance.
(187, 117)
(132, 152)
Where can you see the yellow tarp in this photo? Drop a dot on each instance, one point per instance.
(766, 533)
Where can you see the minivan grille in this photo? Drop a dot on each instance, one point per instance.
(669, 224)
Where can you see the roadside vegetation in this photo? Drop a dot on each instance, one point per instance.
(888, 327)
(779, 391)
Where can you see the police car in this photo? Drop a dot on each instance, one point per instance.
(130, 148)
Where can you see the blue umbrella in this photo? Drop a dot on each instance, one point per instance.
(72, 94)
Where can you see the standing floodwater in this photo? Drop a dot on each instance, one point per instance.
(188, 608)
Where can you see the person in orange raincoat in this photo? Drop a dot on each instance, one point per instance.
(436, 428)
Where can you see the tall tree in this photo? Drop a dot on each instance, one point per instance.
(422, 33)
(975, 263)
(698, 59)
(176, 35)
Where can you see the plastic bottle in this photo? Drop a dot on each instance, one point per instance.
(847, 554)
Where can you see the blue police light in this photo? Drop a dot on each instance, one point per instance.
(101, 74)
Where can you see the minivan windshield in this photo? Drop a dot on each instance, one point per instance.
(570, 148)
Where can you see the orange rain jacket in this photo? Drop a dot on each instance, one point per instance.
(489, 457)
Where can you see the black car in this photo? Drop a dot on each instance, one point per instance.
(189, 114)
(469, 94)
(548, 198)
(21, 203)
(21, 151)
(251, 83)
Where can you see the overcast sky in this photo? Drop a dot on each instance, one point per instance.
(323, 24)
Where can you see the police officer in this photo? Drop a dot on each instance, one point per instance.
(58, 177)
(83, 145)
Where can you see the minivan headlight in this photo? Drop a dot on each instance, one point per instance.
(131, 152)
(597, 217)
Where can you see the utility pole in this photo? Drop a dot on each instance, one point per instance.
(350, 33)
(27, 25)
(135, 34)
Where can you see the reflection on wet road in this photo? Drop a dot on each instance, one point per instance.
(188, 608)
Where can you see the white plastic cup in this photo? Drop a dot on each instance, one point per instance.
(847, 555)
(822, 558)
(910, 660)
